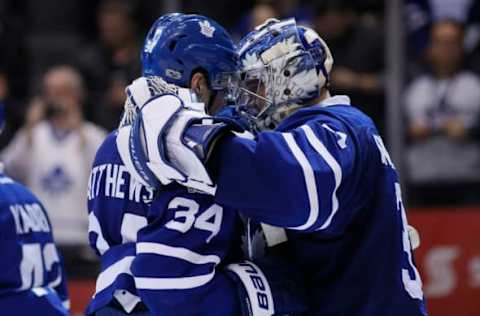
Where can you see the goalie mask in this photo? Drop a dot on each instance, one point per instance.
(283, 66)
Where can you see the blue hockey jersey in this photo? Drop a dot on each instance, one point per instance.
(164, 248)
(325, 174)
(32, 276)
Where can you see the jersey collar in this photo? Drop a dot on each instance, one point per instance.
(300, 115)
(335, 100)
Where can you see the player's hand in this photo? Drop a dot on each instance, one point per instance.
(35, 112)
(455, 129)
(419, 130)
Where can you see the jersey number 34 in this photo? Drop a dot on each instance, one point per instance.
(186, 217)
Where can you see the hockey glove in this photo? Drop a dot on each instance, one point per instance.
(268, 287)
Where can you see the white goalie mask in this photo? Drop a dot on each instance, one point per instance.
(284, 66)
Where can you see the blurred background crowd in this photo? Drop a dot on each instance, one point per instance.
(64, 66)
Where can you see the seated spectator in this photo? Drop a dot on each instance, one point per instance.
(442, 106)
(358, 50)
(52, 155)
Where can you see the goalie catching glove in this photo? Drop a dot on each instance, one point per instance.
(169, 140)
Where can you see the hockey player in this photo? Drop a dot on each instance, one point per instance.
(165, 250)
(32, 279)
(317, 167)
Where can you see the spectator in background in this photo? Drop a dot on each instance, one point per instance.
(420, 14)
(358, 48)
(261, 11)
(112, 63)
(52, 155)
(442, 106)
(265, 9)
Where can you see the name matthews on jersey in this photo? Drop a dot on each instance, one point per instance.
(116, 177)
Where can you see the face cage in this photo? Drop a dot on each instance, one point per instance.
(227, 83)
(250, 100)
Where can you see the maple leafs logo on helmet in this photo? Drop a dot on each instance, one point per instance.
(206, 29)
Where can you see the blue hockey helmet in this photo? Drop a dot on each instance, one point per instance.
(283, 66)
(177, 45)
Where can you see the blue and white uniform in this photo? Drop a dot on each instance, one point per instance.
(164, 248)
(324, 174)
(32, 279)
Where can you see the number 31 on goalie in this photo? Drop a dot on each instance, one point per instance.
(186, 217)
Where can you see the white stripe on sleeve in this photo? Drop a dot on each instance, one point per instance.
(107, 276)
(176, 252)
(332, 163)
(94, 226)
(175, 283)
(309, 177)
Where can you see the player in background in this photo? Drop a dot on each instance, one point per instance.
(317, 167)
(164, 250)
(32, 279)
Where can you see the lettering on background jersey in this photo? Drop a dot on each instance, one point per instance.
(385, 156)
(37, 261)
(410, 276)
(116, 182)
(29, 218)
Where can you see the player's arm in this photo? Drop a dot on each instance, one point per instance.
(296, 179)
(180, 265)
(180, 255)
(178, 290)
(117, 211)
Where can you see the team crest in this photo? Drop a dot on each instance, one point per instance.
(150, 45)
(206, 29)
